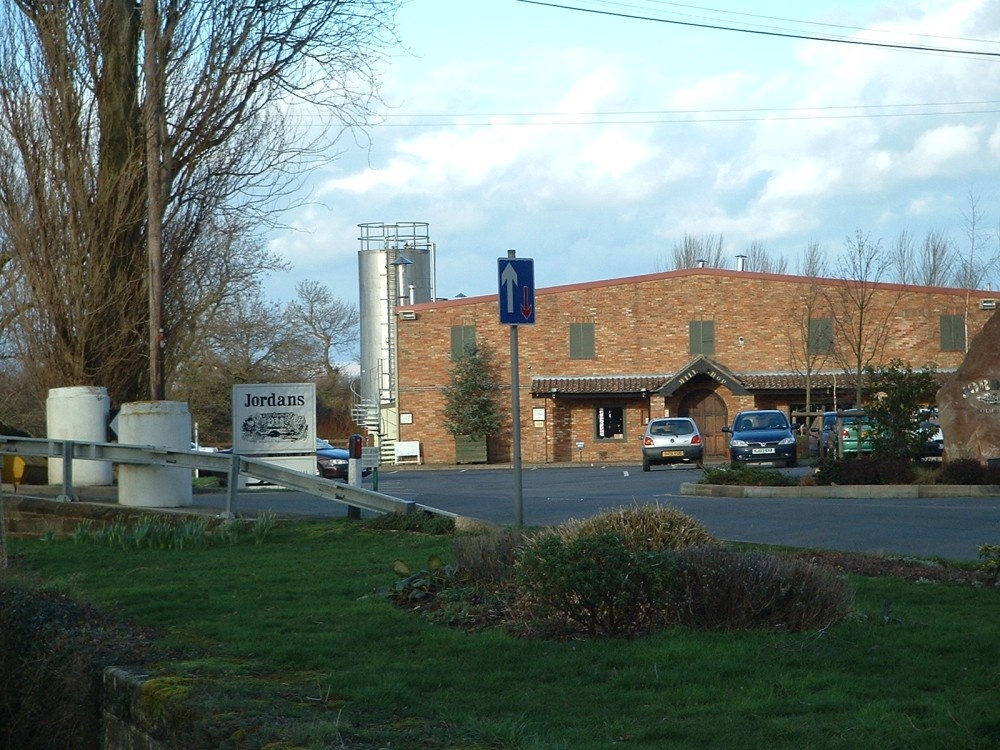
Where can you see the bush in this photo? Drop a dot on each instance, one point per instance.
(967, 471)
(646, 527)
(593, 586)
(864, 470)
(724, 589)
(487, 558)
(421, 522)
(747, 476)
(990, 566)
(52, 653)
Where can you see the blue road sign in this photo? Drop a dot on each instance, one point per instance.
(517, 291)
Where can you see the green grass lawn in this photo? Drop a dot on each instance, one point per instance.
(288, 642)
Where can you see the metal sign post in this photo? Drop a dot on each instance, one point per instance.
(516, 278)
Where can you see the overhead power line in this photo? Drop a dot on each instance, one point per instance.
(640, 117)
(769, 32)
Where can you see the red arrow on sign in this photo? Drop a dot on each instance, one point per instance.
(526, 303)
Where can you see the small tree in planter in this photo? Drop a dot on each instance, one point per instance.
(473, 411)
(899, 393)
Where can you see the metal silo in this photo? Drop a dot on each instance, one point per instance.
(395, 267)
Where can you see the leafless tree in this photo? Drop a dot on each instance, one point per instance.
(812, 262)
(692, 251)
(977, 262)
(810, 328)
(330, 323)
(936, 260)
(901, 259)
(758, 259)
(251, 95)
(861, 317)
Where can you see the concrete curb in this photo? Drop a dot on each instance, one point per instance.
(858, 491)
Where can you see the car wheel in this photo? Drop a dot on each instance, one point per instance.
(792, 463)
(645, 465)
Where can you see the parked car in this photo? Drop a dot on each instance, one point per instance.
(331, 462)
(819, 433)
(934, 447)
(854, 434)
(763, 436)
(671, 440)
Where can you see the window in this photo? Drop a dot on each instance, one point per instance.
(701, 334)
(610, 422)
(952, 333)
(581, 341)
(463, 340)
(820, 336)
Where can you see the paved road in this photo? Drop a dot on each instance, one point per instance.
(949, 528)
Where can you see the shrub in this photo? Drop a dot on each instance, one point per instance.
(967, 471)
(593, 585)
(487, 558)
(864, 470)
(52, 652)
(647, 527)
(421, 522)
(990, 566)
(747, 476)
(725, 589)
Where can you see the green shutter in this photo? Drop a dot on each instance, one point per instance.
(820, 336)
(581, 341)
(701, 336)
(463, 338)
(952, 333)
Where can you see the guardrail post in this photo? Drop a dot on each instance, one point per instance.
(67, 473)
(232, 484)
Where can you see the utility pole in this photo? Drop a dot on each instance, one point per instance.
(152, 120)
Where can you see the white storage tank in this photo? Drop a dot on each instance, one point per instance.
(79, 413)
(163, 424)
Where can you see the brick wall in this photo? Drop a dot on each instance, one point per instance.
(641, 327)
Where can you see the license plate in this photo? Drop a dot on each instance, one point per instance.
(671, 454)
(761, 451)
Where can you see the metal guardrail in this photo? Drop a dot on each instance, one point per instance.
(231, 465)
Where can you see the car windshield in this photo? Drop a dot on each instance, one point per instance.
(761, 422)
(671, 427)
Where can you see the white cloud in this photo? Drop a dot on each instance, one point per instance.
(814, 153)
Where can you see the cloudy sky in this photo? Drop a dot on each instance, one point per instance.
(594, 142)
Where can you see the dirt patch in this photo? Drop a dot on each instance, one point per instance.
(909, 568)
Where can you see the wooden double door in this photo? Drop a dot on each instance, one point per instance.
(709, 412)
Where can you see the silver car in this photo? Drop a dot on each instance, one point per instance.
(671, 440)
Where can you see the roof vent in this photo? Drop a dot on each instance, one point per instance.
(987, 304)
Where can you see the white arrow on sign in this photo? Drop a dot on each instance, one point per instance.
(509, 279)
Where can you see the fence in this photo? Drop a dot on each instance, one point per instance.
(231, 465)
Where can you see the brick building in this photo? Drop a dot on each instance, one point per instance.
(605, 356)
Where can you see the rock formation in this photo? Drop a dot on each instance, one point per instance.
(969, 400)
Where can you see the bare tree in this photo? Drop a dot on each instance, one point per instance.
(233, 79)
(693, 251)
(810, 331)
(861, 317)
(330, 323)
(244, 339)
(812, 263)
(901, 259)
(936, 260)
(758, 259)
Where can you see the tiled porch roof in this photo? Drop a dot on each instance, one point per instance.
(625, 385)
(597, 385)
